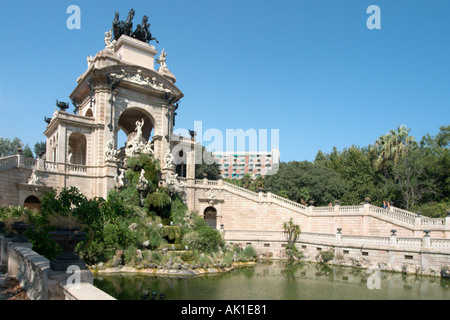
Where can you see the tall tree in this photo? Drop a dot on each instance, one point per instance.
(298, 180)
(413, 180)
(9, 147)
(39, 148)
(211, 171)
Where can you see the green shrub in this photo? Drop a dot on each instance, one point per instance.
(228, 258)
(130, 256)
(326, 256)
(204, 239)
(172, 234)
(249, 252)
(187, 256)
(156, 257)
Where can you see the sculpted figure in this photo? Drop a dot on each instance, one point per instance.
(168, 160)
(120, 183)
(123, 27)
(139, 125)
(148, 148)
(162, 59)
(110, 152)
(211, 194)
(109, 42)
(35, 179)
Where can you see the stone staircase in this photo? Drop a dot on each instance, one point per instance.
(395, 215)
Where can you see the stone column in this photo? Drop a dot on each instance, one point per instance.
(110, 174)
(190, 162)
(190, 177)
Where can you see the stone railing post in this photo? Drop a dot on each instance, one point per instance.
(205, 181)
(366, 208)
(20, 160)
(393, 238)
(339, 234)
(13, 260)
(40, 164)
(417, 225)
(447, 226)
(426, 240)
(337, 207)
(392, 244)
(220, 183)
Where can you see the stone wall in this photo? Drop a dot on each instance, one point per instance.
(241, 209)
(410, 255)
(9, 180)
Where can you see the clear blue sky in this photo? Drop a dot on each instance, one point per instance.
(310, 68)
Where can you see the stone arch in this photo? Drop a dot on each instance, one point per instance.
(33, 203)
(129, 117)
(210, 215)
(77, 148)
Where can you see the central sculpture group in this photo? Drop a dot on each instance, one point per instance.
(141, 33)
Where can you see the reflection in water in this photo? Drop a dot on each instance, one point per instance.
(279, 280)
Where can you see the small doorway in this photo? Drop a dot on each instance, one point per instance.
(210, 215)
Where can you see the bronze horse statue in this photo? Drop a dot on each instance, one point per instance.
(141, 33)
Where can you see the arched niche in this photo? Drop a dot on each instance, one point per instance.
(129, 118)
(77, 148)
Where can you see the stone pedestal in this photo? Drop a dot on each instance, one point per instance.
(131, 50)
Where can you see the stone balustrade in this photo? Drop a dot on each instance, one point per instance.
(10, 162)
(415, 255)
(441, 245)
(19, 161)
(40, 282)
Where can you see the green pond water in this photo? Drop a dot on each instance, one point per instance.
(280, 280)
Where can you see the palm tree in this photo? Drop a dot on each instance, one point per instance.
(391, 147)
(292, 230)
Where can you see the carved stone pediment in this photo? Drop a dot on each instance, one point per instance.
(210, 201)
(144, 77)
